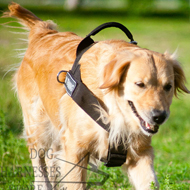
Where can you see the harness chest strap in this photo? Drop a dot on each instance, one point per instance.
(85, 99)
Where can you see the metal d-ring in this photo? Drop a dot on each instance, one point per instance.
(62, 71)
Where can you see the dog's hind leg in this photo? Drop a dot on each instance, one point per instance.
(36, 130)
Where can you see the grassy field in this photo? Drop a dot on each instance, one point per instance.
(171, 144)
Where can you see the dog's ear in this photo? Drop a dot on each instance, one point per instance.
(179, 79)
(113, 72)
(179, 76)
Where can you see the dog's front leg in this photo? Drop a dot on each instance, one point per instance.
(75, 171)
(141, 172)
(75, 166)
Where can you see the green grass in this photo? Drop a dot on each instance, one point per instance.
(171, 144)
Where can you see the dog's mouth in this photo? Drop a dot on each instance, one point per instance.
(145, 125)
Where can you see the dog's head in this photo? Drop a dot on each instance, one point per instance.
(146, 81)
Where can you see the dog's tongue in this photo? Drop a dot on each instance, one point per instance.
(152, 127)
(148, 126)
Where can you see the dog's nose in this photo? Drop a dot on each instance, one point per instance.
(159, 116)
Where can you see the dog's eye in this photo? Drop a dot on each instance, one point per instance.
(167, 87)
(140, 84)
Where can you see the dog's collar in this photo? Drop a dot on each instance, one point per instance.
(85, 99)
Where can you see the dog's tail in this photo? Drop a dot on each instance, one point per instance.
(26, 17)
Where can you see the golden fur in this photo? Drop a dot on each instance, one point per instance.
(116, 72)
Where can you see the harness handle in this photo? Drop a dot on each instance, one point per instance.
(112, 24)
(87, 41)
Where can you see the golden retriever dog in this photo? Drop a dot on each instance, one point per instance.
(136, 86)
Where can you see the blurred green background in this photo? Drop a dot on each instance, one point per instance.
(155, 24)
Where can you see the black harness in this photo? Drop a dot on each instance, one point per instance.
(85, 99)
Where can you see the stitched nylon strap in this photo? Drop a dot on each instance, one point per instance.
(85, 99)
